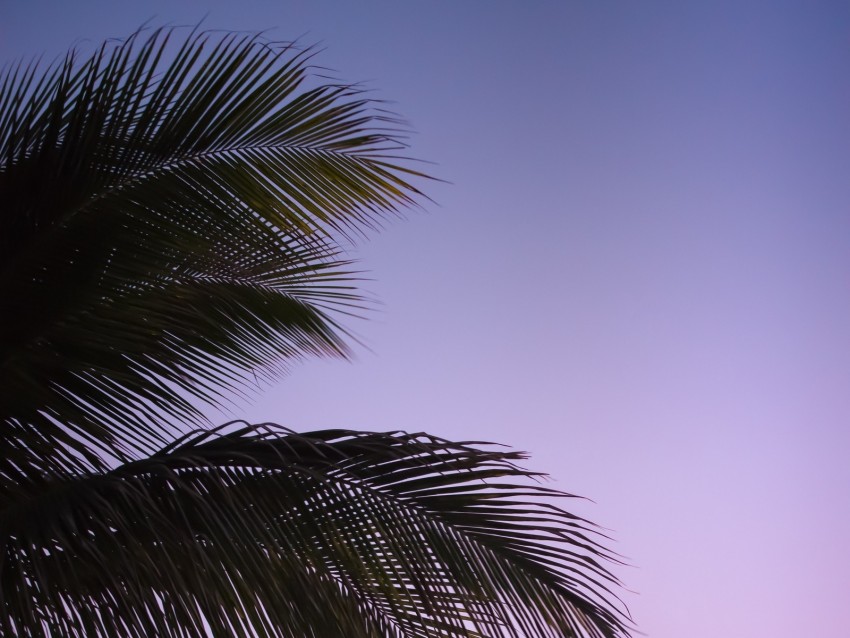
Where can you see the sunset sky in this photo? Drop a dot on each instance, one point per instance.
(637, 269)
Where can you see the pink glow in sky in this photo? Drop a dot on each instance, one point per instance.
(640, 272)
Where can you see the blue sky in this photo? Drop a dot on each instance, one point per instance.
(638, 270)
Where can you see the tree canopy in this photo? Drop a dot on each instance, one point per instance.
(176, 210)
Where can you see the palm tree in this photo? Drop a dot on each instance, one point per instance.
(175, 212)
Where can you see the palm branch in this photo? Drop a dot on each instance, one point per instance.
(256, 530)
(170, 227)
(175, 221)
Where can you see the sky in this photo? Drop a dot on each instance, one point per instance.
(636, 269)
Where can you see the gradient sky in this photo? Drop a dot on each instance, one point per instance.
(639, 273)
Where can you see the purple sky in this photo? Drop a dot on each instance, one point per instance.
(640, 273)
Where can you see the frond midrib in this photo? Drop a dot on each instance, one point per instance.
(134, 180)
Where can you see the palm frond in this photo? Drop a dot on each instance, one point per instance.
(172, 218)
(244, 529)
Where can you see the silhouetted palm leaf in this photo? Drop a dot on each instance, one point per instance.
(333, 533)
(172, 226)
(167, 229)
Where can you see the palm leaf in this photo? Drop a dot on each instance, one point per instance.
(171, 224)
(255, 530)
(175, 216)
